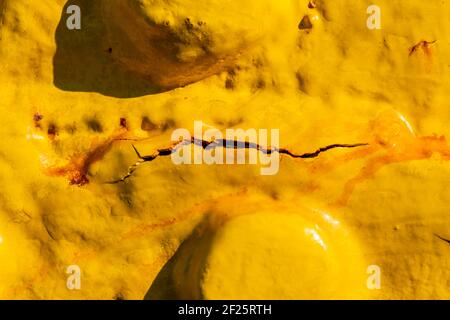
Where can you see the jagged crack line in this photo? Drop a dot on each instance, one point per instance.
(228, 144)
(443, 239)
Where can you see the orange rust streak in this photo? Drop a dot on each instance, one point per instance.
(424, 45)
(142, 230)
(412, 149)
(200, 208)
(77, 168)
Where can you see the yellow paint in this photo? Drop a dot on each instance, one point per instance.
(288, 251)
(244, 65)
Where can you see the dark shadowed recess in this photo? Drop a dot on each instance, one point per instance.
(164, 286)
(83, 63)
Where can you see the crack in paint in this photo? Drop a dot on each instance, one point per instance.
(443, 239)
(224, 143)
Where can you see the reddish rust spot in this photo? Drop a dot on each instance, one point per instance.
(424, 45)
(77, 168)
(52, 131)
(305, 23)
(123, 123)
(37, 117)
(311, 4)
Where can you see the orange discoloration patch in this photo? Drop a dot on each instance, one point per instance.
(425, 46)
(411, 149)
(77, 168)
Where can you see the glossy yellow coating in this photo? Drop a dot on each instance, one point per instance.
(73, 102)
(279, 250)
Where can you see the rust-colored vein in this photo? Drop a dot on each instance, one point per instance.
(414, 148)
(77, 168)
(424, 45)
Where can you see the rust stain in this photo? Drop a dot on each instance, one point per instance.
(425, 46)
(414, 148)
(77, 168)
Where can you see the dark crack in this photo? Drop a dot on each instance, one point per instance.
(229, 144)
(443, 239)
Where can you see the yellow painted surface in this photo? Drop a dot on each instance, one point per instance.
(72, 103)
